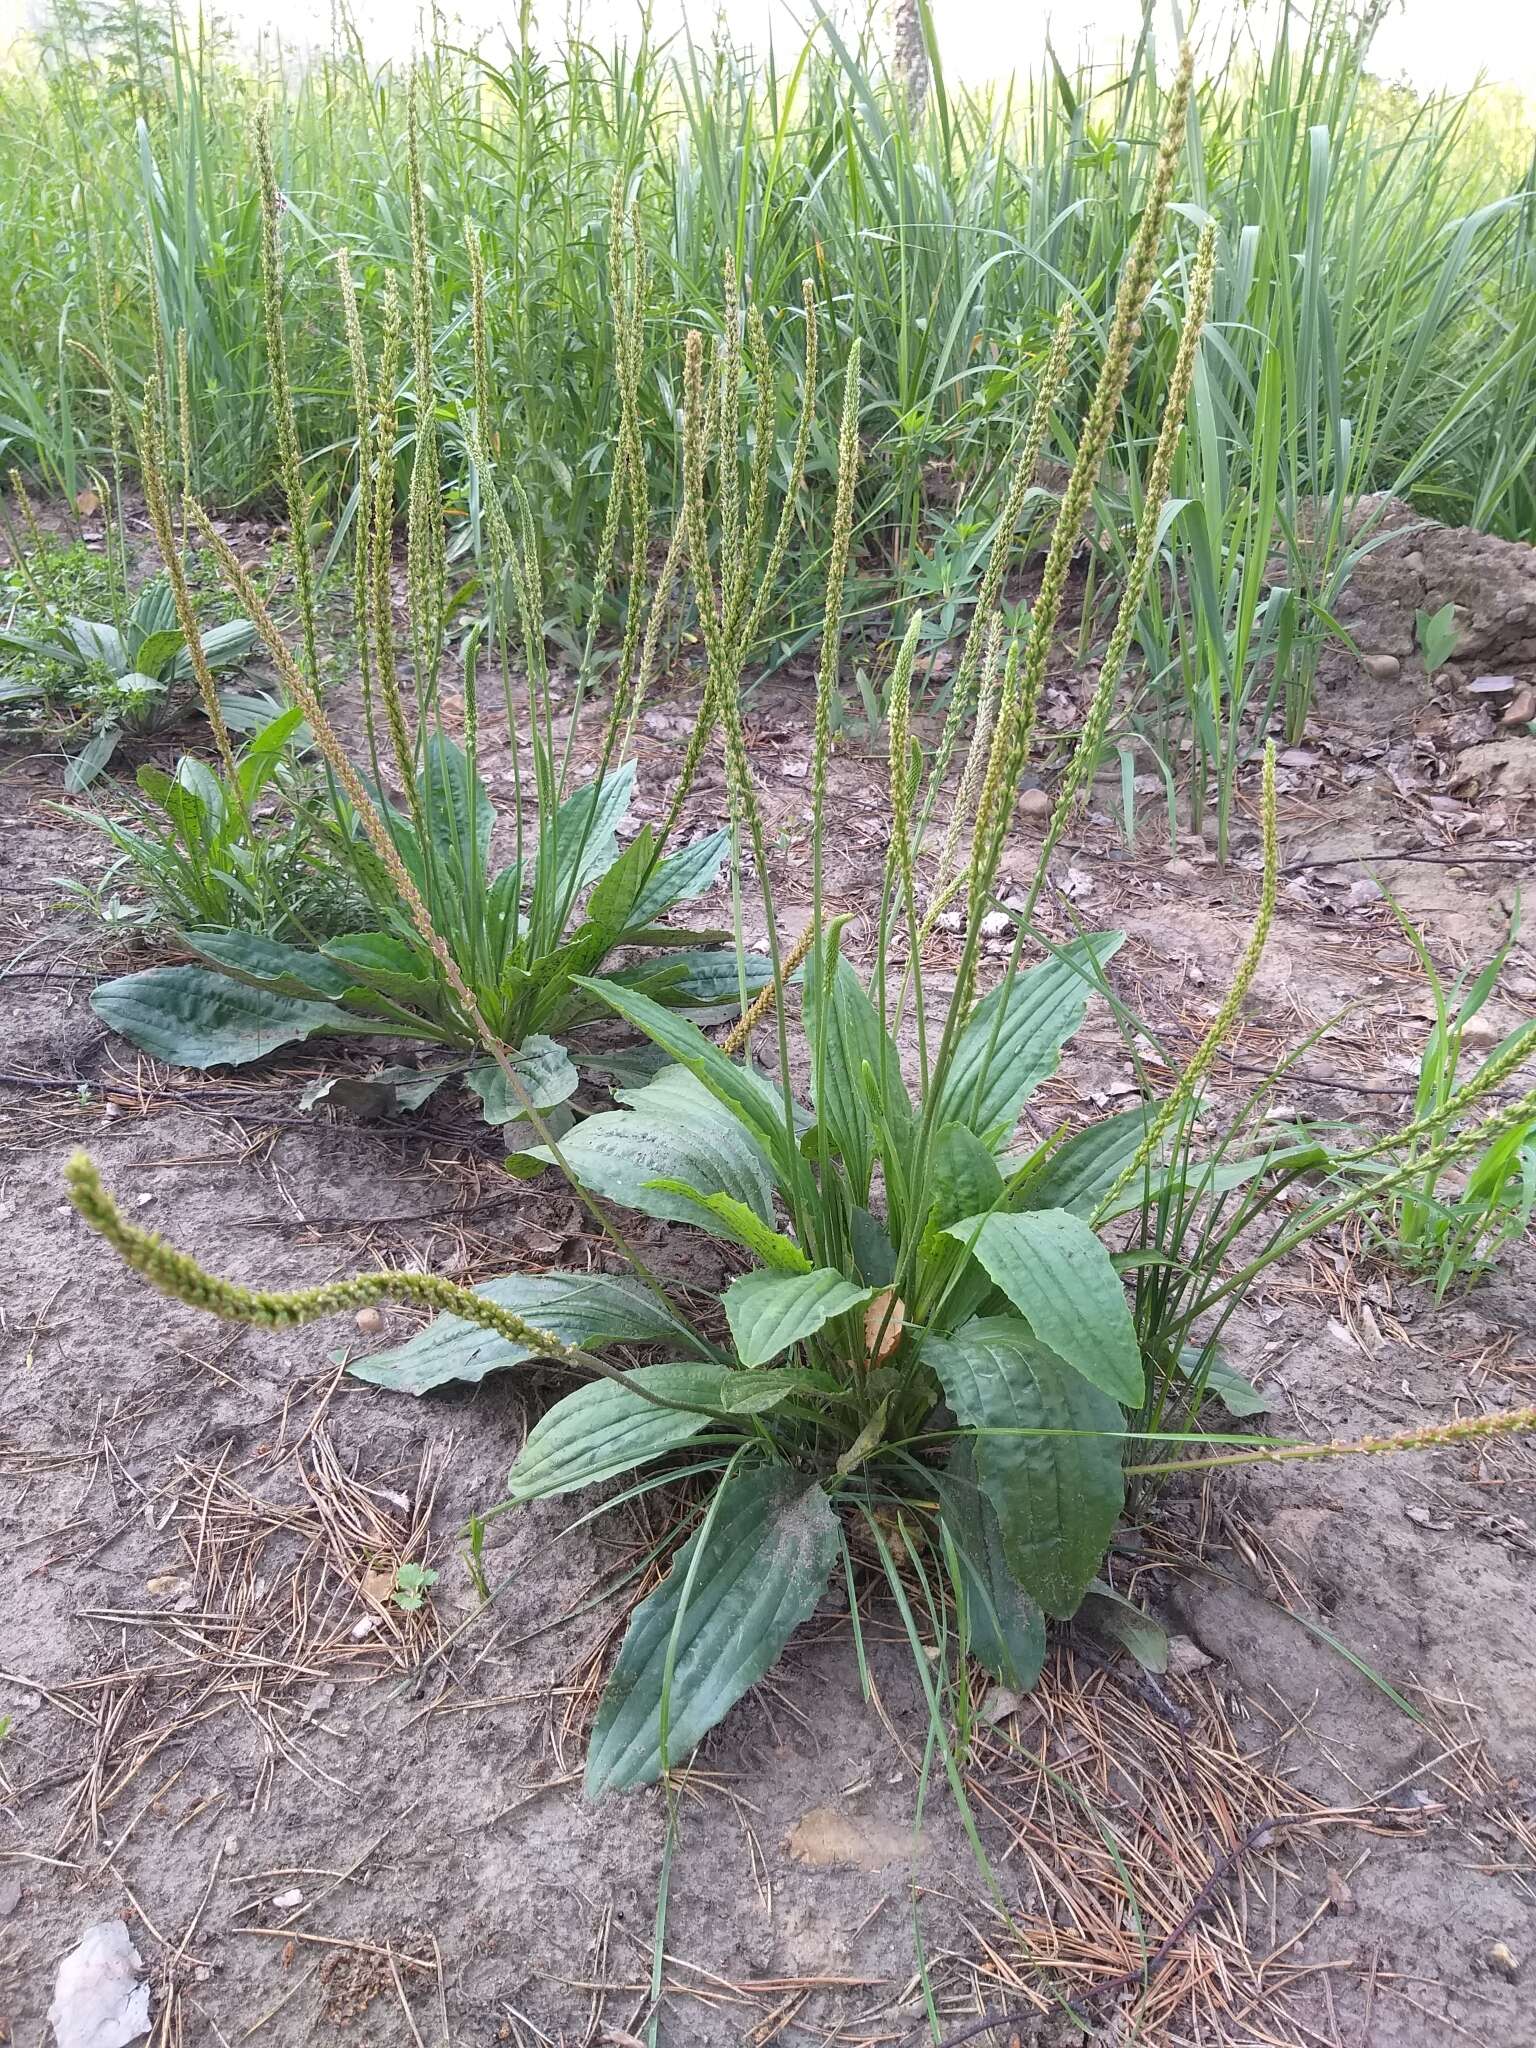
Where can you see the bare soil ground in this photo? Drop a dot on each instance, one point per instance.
(325, 1820)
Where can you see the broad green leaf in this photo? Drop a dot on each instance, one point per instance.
(94, 642)
(1032, 1015)
(265, 963)
(671, 1129)
(1222, 1382)
(193, 1017)
(736, 1593)
(845, 1037)
(379, 961)
(754, 1393)
(223, 646)
(753, 1100)
(1007, 1629)
(768, 1312)
(459, 814)
(592, 1310)
(1056, 1494)
(154, 611)
(155, 650)
(1125, 1623)
(604, 1429)
(698, 979)
(1061, 1280)
(585, 830)
(84, 767)
(963, 1177)
(744, 1227)
(681, 877)
(544, 1069)
(612, 901)
(1082, 1169)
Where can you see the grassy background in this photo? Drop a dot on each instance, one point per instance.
(1381, 249)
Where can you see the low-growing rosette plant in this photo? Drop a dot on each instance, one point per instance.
(946, 1336)
(460, 943)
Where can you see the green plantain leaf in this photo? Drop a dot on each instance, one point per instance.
(754, 1101)
(768, 1312)
(1056, 1495)
(672, 1129)
(1125, 1623)
(267, 964)
(193, 1017)
(604, 1429)
(592, 1310)
(743, 1226)
(1081, 1170)
(737, 1591)
(1062, 1281)
(1007, 1629)
(1039, 1011)
(543, 1067)
(846, 1037)
(681, 877)
(585, 831)
(1222, 1382)
(459, 815)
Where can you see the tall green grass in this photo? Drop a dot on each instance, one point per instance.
(1378, 247)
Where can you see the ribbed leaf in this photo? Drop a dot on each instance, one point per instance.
(604, 1429)
(681, 877)
(732, 1219)
(845, 1036)
(1033, 1015)
(1081, 1171)
(737, 1591)
(768, 1312)
(1055, 1495)
(755, 1103)
(672, 1129)
(1007, 1629)
(592, 1310)
(267, 964)
(194, 1017)
(459, 814)
(544, 1069)
(1062, 1281)
(586, 829)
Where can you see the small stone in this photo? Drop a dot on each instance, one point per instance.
(10, 1895)
(995, 923)
(1364, 892)
(1504, 1963)
(165, 1584)
(284, 1901)
(370, 1321)
(1491, 686)
(1180, 869)
(231, 1845)
(1034, 803)
(1381, 668)
(1521, 708)
(1480, 1030)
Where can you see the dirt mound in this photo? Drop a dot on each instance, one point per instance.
(1423, 567)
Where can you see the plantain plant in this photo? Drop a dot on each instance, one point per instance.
(931, 1356)
(462, 938)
